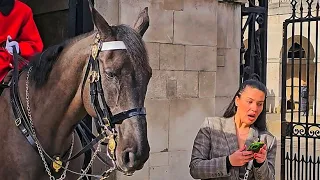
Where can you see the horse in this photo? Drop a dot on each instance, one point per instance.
(56, 90)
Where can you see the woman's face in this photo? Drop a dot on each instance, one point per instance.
(250, 104)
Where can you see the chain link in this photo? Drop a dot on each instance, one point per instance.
(63, 176)
(84, 172)
(28, 101)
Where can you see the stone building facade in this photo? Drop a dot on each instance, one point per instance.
(194, 49)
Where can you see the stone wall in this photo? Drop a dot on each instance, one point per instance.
(194, 50)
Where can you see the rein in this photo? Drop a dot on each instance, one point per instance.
(105, 121)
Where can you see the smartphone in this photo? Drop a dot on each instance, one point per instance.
(255, 146)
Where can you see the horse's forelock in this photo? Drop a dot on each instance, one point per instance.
(135, 46)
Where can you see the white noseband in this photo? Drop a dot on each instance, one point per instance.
(113, 45)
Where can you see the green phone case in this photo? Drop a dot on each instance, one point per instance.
(255, 146)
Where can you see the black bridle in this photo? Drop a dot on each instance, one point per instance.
(105, 121)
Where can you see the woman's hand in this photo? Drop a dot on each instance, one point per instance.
(241, 157)
(261, 156)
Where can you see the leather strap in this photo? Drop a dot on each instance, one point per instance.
(21, 119)
(128, 114)
(84, 135)
(88, 146)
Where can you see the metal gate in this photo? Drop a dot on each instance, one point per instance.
(253, 54)
(300, 125)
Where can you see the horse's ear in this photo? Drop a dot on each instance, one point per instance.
(142, 23)
(101, 24)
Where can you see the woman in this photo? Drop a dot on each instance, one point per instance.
(17, 29)
(220, 147)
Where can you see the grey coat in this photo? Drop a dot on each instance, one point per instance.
(217, 139)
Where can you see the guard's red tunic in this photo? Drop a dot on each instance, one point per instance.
(19, 24)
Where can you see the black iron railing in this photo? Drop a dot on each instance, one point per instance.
(300, 131)
(253, 56)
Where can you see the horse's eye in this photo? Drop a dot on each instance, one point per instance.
(110, 74)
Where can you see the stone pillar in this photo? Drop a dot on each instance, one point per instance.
(274, 64)
(194, 49)
(228, 56)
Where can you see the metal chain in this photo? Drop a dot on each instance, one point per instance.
(63, 176)
(84, 172)
(28, 101)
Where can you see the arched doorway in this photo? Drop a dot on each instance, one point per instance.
(300, 68)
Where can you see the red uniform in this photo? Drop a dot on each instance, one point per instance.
(19, 24)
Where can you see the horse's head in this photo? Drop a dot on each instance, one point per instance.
(125, 74)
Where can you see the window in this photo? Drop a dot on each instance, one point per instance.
(296, 53)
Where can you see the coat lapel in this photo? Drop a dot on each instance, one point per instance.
(230, 132)
(229, 129)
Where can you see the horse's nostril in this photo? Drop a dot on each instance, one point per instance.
(129, 159)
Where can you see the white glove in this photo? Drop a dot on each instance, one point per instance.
(10, 45)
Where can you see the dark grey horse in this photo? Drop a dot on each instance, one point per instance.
(58, 97)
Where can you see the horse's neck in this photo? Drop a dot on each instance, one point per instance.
(58, 106)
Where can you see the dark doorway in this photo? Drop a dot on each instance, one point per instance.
(59, 20)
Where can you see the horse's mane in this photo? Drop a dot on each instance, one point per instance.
(43, 63)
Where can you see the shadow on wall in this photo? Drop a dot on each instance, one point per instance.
(270, 102)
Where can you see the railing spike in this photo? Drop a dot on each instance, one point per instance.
(295, 157)
(310, 159)
(287, 156)
(302, 159)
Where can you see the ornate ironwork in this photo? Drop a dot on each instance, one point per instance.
(253, 57)
(300, 157)
(310, 130)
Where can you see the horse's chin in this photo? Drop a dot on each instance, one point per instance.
(128, 173)
(125, 172)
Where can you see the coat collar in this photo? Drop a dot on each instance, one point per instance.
(229, 129)
(6, 6)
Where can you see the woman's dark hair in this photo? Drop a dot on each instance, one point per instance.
(253, 82)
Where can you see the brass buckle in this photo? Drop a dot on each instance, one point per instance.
(57, 164)
(95, 47)
(112, 145)
(18, 122)
(94, 76)
(94, 51)
(107, 122)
